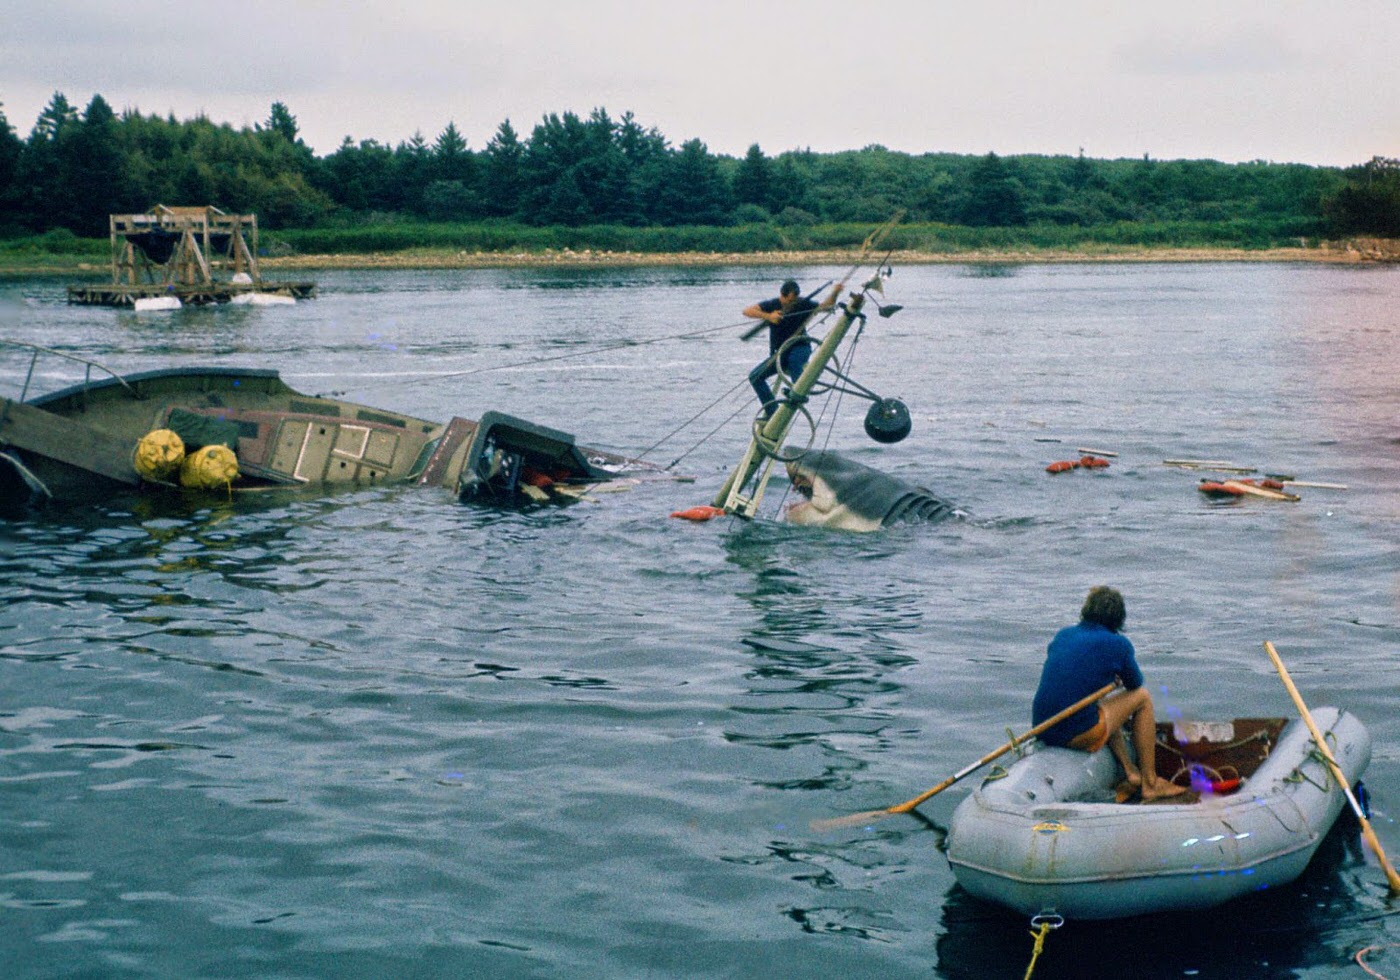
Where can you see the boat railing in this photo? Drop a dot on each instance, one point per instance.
(88, 367)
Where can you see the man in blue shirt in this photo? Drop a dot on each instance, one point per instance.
(1080, 660)
(787, 316)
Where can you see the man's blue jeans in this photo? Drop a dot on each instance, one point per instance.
(794, 360)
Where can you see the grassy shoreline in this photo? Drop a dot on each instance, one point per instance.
(1348, 252)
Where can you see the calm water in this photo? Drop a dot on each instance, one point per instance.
(380, 733)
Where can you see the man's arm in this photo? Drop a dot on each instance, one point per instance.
(757, 312)
(832, 297)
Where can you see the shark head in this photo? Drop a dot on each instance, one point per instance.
(840, 493)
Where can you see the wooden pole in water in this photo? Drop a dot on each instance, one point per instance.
(1326, 753)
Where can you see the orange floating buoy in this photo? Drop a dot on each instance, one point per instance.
(1214, 489)
(1092, 462)
(702, 512)
(1062, 466)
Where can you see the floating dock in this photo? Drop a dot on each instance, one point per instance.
(197, 255)
(126, 294)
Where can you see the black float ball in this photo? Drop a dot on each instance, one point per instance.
(887, 420)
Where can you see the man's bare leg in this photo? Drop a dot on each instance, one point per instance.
(1118, 745)
(1136, 707)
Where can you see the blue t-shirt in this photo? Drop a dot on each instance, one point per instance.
(1080, 660)
(793, 320)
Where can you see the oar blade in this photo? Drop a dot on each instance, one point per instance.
(850, 820)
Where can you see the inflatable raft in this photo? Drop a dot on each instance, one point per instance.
(1048, 836)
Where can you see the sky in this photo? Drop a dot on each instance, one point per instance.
(1229, 80)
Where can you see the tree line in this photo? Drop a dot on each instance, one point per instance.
(76, 167)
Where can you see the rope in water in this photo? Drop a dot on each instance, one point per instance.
(1044, 924)
(1361, 958)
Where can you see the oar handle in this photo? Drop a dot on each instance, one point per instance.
(1050, 722)
(1326, 753)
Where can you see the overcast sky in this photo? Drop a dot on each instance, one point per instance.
(1232, 80)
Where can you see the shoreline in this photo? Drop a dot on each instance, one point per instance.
(1351, 252)
(1334, 253)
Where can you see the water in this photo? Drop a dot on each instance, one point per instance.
(379, 733)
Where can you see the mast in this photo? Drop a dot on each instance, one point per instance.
(767, 442)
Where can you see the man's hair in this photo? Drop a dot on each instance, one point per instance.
(1105, 607)
(790, 288)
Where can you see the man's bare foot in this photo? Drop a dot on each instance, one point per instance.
(1160, 789)
(1132, 777)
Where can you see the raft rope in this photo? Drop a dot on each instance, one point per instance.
(1361, 958)
(1298, 776)
(1259, 736)
(1040, 928)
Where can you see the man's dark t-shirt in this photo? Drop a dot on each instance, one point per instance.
(792, 322)
(1080, 660)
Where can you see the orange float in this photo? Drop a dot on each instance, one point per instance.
(702, 512)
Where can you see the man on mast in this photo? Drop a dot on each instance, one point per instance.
(787, 316)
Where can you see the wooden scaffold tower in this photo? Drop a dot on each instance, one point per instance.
(195, 254)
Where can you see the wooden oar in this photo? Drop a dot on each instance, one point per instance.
(1265, 492)
(1326, 753)
(854, 819)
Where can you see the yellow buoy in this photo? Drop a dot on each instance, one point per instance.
(209, 467)
(159, 455)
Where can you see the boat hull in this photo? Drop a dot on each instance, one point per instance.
(1038, 841)
(77, 445)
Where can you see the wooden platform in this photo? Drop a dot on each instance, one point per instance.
(126, 294)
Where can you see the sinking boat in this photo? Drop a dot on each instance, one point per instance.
(81, 442)
(1048, 836)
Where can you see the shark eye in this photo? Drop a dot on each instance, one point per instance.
(803, 487)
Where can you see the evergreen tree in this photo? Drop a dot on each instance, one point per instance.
(792, 184)
(361, 177)
(413, 159)
(39, 176)
(694, 191)
(566, 204)
(281, 137)
(283, 123)
(753, 180)
(11, 148)
(451, 158)
(556, 148)
(450, 194)
(1081, 172)
(90, 161)
(57, 116)
(502, 178)
(606, 175)
(994, 197)
(1369, 203)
